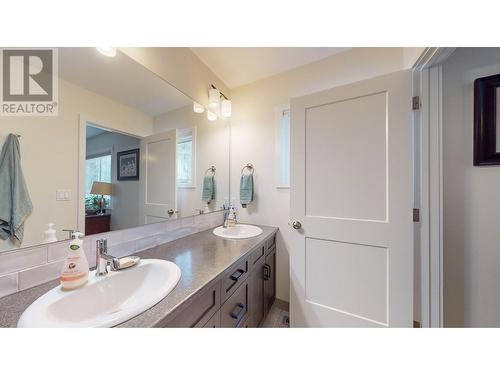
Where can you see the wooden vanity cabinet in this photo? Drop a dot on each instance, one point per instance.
(241, 297)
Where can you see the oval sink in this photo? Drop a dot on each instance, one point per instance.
(238, 231)
(104, 301)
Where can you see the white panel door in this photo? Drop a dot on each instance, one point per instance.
(158, 184)
(351, 192)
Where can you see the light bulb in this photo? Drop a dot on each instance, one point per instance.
(213, 98)
(198, 108)
(211, 116)
(107, 51)
(226, 108)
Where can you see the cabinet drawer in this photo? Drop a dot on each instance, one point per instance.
(214, 321)
(234, 277)
(235, 310)
(270, 244)
(257, 254)
(199, 311)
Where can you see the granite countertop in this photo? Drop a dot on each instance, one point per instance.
(202, 257)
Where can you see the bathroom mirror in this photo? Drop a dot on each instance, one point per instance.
(126, 149)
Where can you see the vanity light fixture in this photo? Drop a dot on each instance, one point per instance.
(213, 98)
(198, 108)
(224, 108)
(107, 51)
(211, 116)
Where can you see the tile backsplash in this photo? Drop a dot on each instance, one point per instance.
(26, 268)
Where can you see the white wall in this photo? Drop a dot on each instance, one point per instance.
(126, 197)
(212, 148)
(49, 154)
(471, 200)
(255, 108)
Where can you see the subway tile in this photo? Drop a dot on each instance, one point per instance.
(202, 222)
(39, 275)
(24, 258)
(172, 225)
(34, 269)
(8, 284)
(57, 251)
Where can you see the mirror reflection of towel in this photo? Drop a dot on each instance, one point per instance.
(15, 202)
(208, 193)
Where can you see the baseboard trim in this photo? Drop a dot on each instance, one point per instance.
(283, 305)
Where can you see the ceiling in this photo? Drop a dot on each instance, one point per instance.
(237, 66)
(121, 79)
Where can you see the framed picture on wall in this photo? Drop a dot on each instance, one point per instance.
(128, 165)
(487, 120)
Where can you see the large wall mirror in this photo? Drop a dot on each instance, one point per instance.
(125, 150)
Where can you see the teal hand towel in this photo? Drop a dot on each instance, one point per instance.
(246, 189)
(208, 193)
(15, 202)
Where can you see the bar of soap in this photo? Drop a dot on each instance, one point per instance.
(126, 262)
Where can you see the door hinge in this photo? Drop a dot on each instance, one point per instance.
(416, 215)
(415, 103)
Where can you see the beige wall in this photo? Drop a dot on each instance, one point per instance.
(181, 68)
(253, 130)
(49, 153)
(471, 200)
(212, 148)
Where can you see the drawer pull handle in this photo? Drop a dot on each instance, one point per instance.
(236, 276)
(267, 271)
(238, 311)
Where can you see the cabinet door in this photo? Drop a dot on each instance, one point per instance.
(257, 294)
(269, 280)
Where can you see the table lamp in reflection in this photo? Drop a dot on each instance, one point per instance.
(102, 189)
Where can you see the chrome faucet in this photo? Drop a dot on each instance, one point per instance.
(103, 259)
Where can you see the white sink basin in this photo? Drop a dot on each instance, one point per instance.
(104, 301)
(238, 231)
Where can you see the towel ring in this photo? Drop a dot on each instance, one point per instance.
(211, 169)
(248, 166)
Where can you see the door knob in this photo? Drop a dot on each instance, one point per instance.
(171, 212)
(296, 225)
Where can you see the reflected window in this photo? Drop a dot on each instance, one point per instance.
(97, 168)
(185, 158)
(283, 149)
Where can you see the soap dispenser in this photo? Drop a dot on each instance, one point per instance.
(75, 271)
(231, 218)
(50, 234)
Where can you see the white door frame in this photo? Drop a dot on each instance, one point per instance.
(83, 121)
(428, 183)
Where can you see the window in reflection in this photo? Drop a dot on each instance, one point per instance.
(98, 168)
(185, 158)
